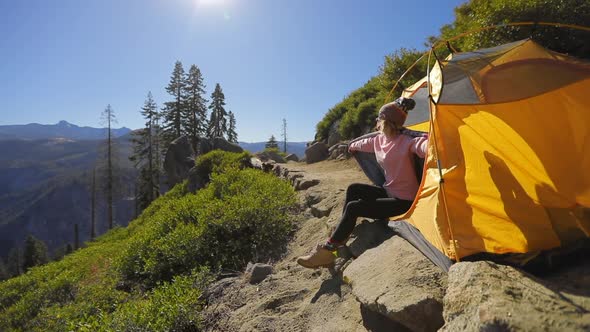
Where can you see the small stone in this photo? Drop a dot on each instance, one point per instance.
(258, 272)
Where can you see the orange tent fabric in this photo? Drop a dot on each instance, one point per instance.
(509, 150)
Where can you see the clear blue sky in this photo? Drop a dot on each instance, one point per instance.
(274, 59)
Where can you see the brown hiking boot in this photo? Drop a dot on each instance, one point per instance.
(320, 257)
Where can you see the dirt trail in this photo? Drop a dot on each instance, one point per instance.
(294, 298)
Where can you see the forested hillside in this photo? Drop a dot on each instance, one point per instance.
(45, 189)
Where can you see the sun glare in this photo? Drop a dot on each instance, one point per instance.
(209, 2)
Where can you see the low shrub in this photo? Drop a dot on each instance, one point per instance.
(240, 216)
(170, 306)
(218, 161)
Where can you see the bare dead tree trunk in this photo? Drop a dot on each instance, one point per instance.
(93, 207)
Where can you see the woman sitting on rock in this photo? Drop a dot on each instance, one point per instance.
(393, 151)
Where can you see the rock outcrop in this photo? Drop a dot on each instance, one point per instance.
(398, 282)
(292, 157)
(217, 143)
(271, 155)
(180, 158)
(255, 273)
(338, 151)
(484, 296)
(316, 152)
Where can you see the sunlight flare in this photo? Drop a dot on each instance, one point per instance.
(210, 2)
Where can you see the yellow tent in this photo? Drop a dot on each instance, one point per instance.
(508, 166)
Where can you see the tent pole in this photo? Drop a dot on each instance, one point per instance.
(436, 152)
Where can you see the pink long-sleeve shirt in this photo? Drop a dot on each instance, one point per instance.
(393, 155)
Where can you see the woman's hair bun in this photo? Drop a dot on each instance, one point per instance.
(405, 104)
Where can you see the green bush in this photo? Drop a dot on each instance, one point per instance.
(355, 122)
(333, 115)
(240, 216)
(476, 14)
(171, 306)
(46, 297)
(370, 90)
(218, 161)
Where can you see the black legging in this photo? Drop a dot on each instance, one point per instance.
(363, 200)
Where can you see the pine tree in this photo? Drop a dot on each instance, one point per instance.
(173, 110)
(194, 119)
(232, 135)
(145, 155)
(35, 253)
(217, 122)
(272, 143)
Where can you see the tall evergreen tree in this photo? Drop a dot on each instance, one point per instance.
(232, 135)
(194, 118)
(145, 155)
(272, 143)
(173, 110)
(217, 122)
(35, 252)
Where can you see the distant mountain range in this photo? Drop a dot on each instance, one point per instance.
(66, 130)
(45, 176)
(297, 148)
(62, 129)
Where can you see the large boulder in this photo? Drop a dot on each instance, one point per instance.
(271, 155)
(398, 282)
(338, 151)
(217, 143)
(292, 157)
(484, 296)
(255, 273)
(316, 152)
(180, 158)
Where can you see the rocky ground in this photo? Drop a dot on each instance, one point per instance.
(390, 286)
